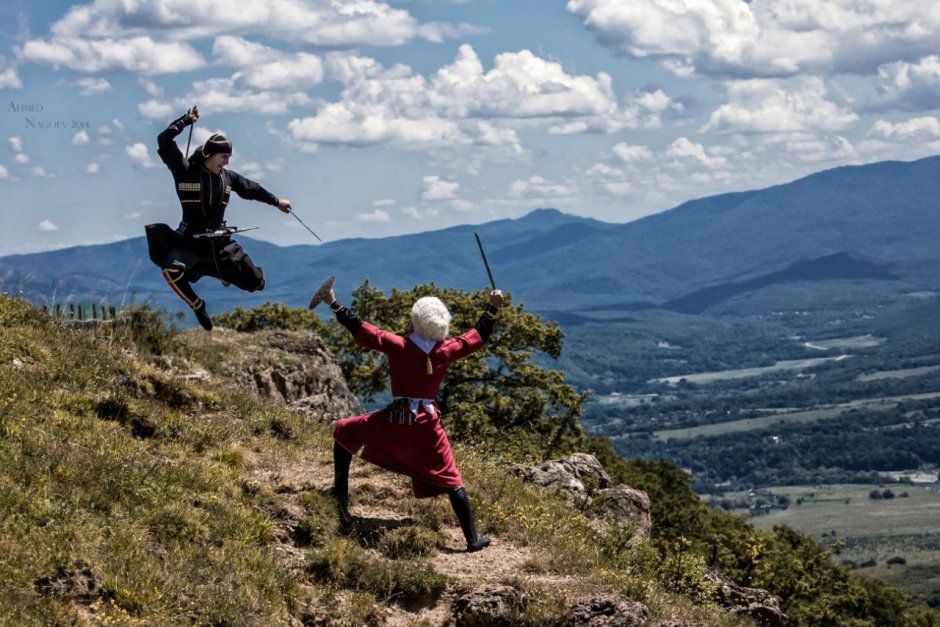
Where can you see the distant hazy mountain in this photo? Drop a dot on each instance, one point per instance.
(877, 221)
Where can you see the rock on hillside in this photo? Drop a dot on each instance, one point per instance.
(290, 367)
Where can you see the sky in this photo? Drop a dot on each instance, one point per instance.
(384, 117)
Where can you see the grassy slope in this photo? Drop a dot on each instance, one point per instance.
(130, 494)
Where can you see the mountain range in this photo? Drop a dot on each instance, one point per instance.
(875, 222)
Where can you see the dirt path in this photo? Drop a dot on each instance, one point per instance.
(380, 502)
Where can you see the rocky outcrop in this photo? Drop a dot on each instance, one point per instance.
(583, 480)
(576, 476)
(758, 604)
(292, 367)
(622, 507)
(490, 606)
(607, 611)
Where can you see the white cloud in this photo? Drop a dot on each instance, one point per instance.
(683, 151)
(80, 138)
(126, 35)
(135, 54)
(778, 105)
(814, 148)
(914, 86)
(425, 213)
(21, 157)
(632, 154)
(538, 187)
(93, 168)
(265, 68)
(463, 104)
(10, 79)
(437, 189)
(92, 86)
(385, 202)
(378, 216)
(156, 110)
(611, 180)
(41, 172)
(520, 85)
(47, 225)
(151, 87)
(140, 155)
(4, 173)
(763, 37)
(16, 143)
(299, 72)
(239, 52)
(914, 130)
(132, 216)
(251, 169)
(221, 95)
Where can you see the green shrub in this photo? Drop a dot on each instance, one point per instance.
(404, 582)
(270, 316)
(407, 542)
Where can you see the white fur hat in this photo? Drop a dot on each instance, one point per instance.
(430, 318)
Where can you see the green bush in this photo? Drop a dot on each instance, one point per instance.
(406, 582)
(269, 316)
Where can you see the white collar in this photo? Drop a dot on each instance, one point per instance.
(422, 342)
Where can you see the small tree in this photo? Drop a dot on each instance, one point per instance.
(496, 397)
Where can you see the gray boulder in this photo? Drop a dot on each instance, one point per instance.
(576, 476)
(622, 507)
(607, 611)
(490, 606)
(760, 605)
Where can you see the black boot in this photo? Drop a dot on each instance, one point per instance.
(341, 461)
(202, 316)
(461, 504)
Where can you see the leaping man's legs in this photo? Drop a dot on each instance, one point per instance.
(174, 275)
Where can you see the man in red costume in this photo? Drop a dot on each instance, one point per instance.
(407, 437)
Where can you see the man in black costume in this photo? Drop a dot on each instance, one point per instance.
(204, 188)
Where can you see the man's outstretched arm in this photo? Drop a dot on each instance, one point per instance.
(250, 190)
(344, 315)
(169, 152)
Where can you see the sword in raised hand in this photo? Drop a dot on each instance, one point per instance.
(189, 141)
(485, 264)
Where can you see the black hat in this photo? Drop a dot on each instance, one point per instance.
(218, 144)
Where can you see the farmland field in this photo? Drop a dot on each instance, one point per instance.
(743, 373)
(904, 528)
(898, 374)
(807, 416)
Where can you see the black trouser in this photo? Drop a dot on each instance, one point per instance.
(458, 496)
(184, 260)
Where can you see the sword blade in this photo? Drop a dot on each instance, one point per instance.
(305, 226)
(485, 263)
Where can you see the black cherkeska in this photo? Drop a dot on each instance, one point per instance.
(203, 196)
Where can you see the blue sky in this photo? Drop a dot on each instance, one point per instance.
(382, 117)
